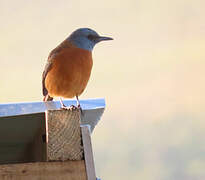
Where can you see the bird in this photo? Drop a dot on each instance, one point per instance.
(69, 66)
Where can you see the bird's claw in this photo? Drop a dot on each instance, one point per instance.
(72, 108)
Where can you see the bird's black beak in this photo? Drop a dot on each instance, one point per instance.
(103, 38)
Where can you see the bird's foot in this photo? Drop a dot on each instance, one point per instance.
(71, 108)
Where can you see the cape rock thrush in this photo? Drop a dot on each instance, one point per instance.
(69, 65)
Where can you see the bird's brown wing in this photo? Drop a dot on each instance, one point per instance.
(48, 66)
(45, 72)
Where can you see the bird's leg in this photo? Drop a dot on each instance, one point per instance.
(78, 102)
(63, 106)
(78, 105)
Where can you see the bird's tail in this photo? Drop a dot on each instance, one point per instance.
(47, 98)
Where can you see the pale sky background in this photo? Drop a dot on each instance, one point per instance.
(151, 75)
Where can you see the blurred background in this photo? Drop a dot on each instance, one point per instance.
(152, 76)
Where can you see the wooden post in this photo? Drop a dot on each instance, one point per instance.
(63, 135)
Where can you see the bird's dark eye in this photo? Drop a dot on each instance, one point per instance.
(91, 37)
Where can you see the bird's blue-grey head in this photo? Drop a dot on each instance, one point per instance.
(86, 38)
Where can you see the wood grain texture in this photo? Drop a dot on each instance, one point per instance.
(68, 170)
(63, 135)
(88, 152)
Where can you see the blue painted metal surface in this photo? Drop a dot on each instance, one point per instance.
(92, 109)
(12, 109)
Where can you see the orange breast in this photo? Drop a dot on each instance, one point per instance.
(70, 72)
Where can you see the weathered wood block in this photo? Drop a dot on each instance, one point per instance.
(68, 170)
(63, 137)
